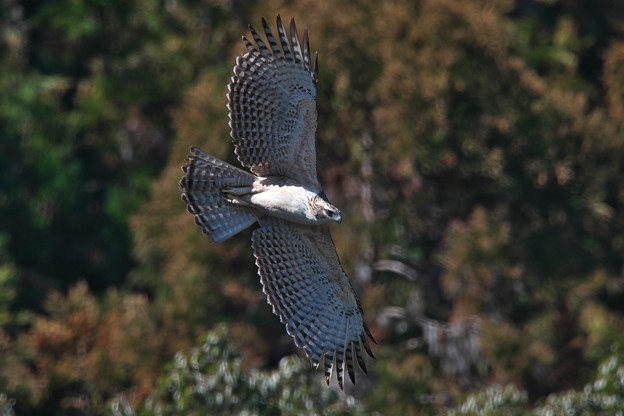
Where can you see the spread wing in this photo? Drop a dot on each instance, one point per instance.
(272, 102)
(310, 292)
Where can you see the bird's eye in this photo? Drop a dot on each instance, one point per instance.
(330, 213)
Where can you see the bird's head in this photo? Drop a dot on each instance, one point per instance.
(325, 212)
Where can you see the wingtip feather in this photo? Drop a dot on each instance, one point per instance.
(369, 334)
(306, 50)
(315, 68)
(329, 363)
(349, 360)
(294, 39)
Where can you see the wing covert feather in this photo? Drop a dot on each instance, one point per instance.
(272, 103)
(310, 292)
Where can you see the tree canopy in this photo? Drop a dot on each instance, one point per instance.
(475, 149)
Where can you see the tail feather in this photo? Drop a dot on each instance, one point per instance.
(205, 177)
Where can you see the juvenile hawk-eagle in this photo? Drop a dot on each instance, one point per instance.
(272, 103)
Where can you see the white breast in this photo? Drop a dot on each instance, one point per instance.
(290, 202)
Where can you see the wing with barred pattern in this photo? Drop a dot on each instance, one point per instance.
(310, 292)
(272, 102)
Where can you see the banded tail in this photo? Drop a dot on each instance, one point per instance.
(205, 177)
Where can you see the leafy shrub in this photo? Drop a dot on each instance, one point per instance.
(212, 380)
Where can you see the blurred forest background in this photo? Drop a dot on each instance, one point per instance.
(475, 148)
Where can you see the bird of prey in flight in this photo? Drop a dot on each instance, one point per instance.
(272, 103)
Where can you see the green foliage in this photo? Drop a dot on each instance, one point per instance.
(477, 144)
(86, 92)
(603, 396)
(212, 380)
(8, 282)
(493, 401)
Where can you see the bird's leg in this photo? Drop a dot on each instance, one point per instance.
(234, 191)
(233, 194)
(237, 194)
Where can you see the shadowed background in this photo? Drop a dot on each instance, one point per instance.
(475, 150)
